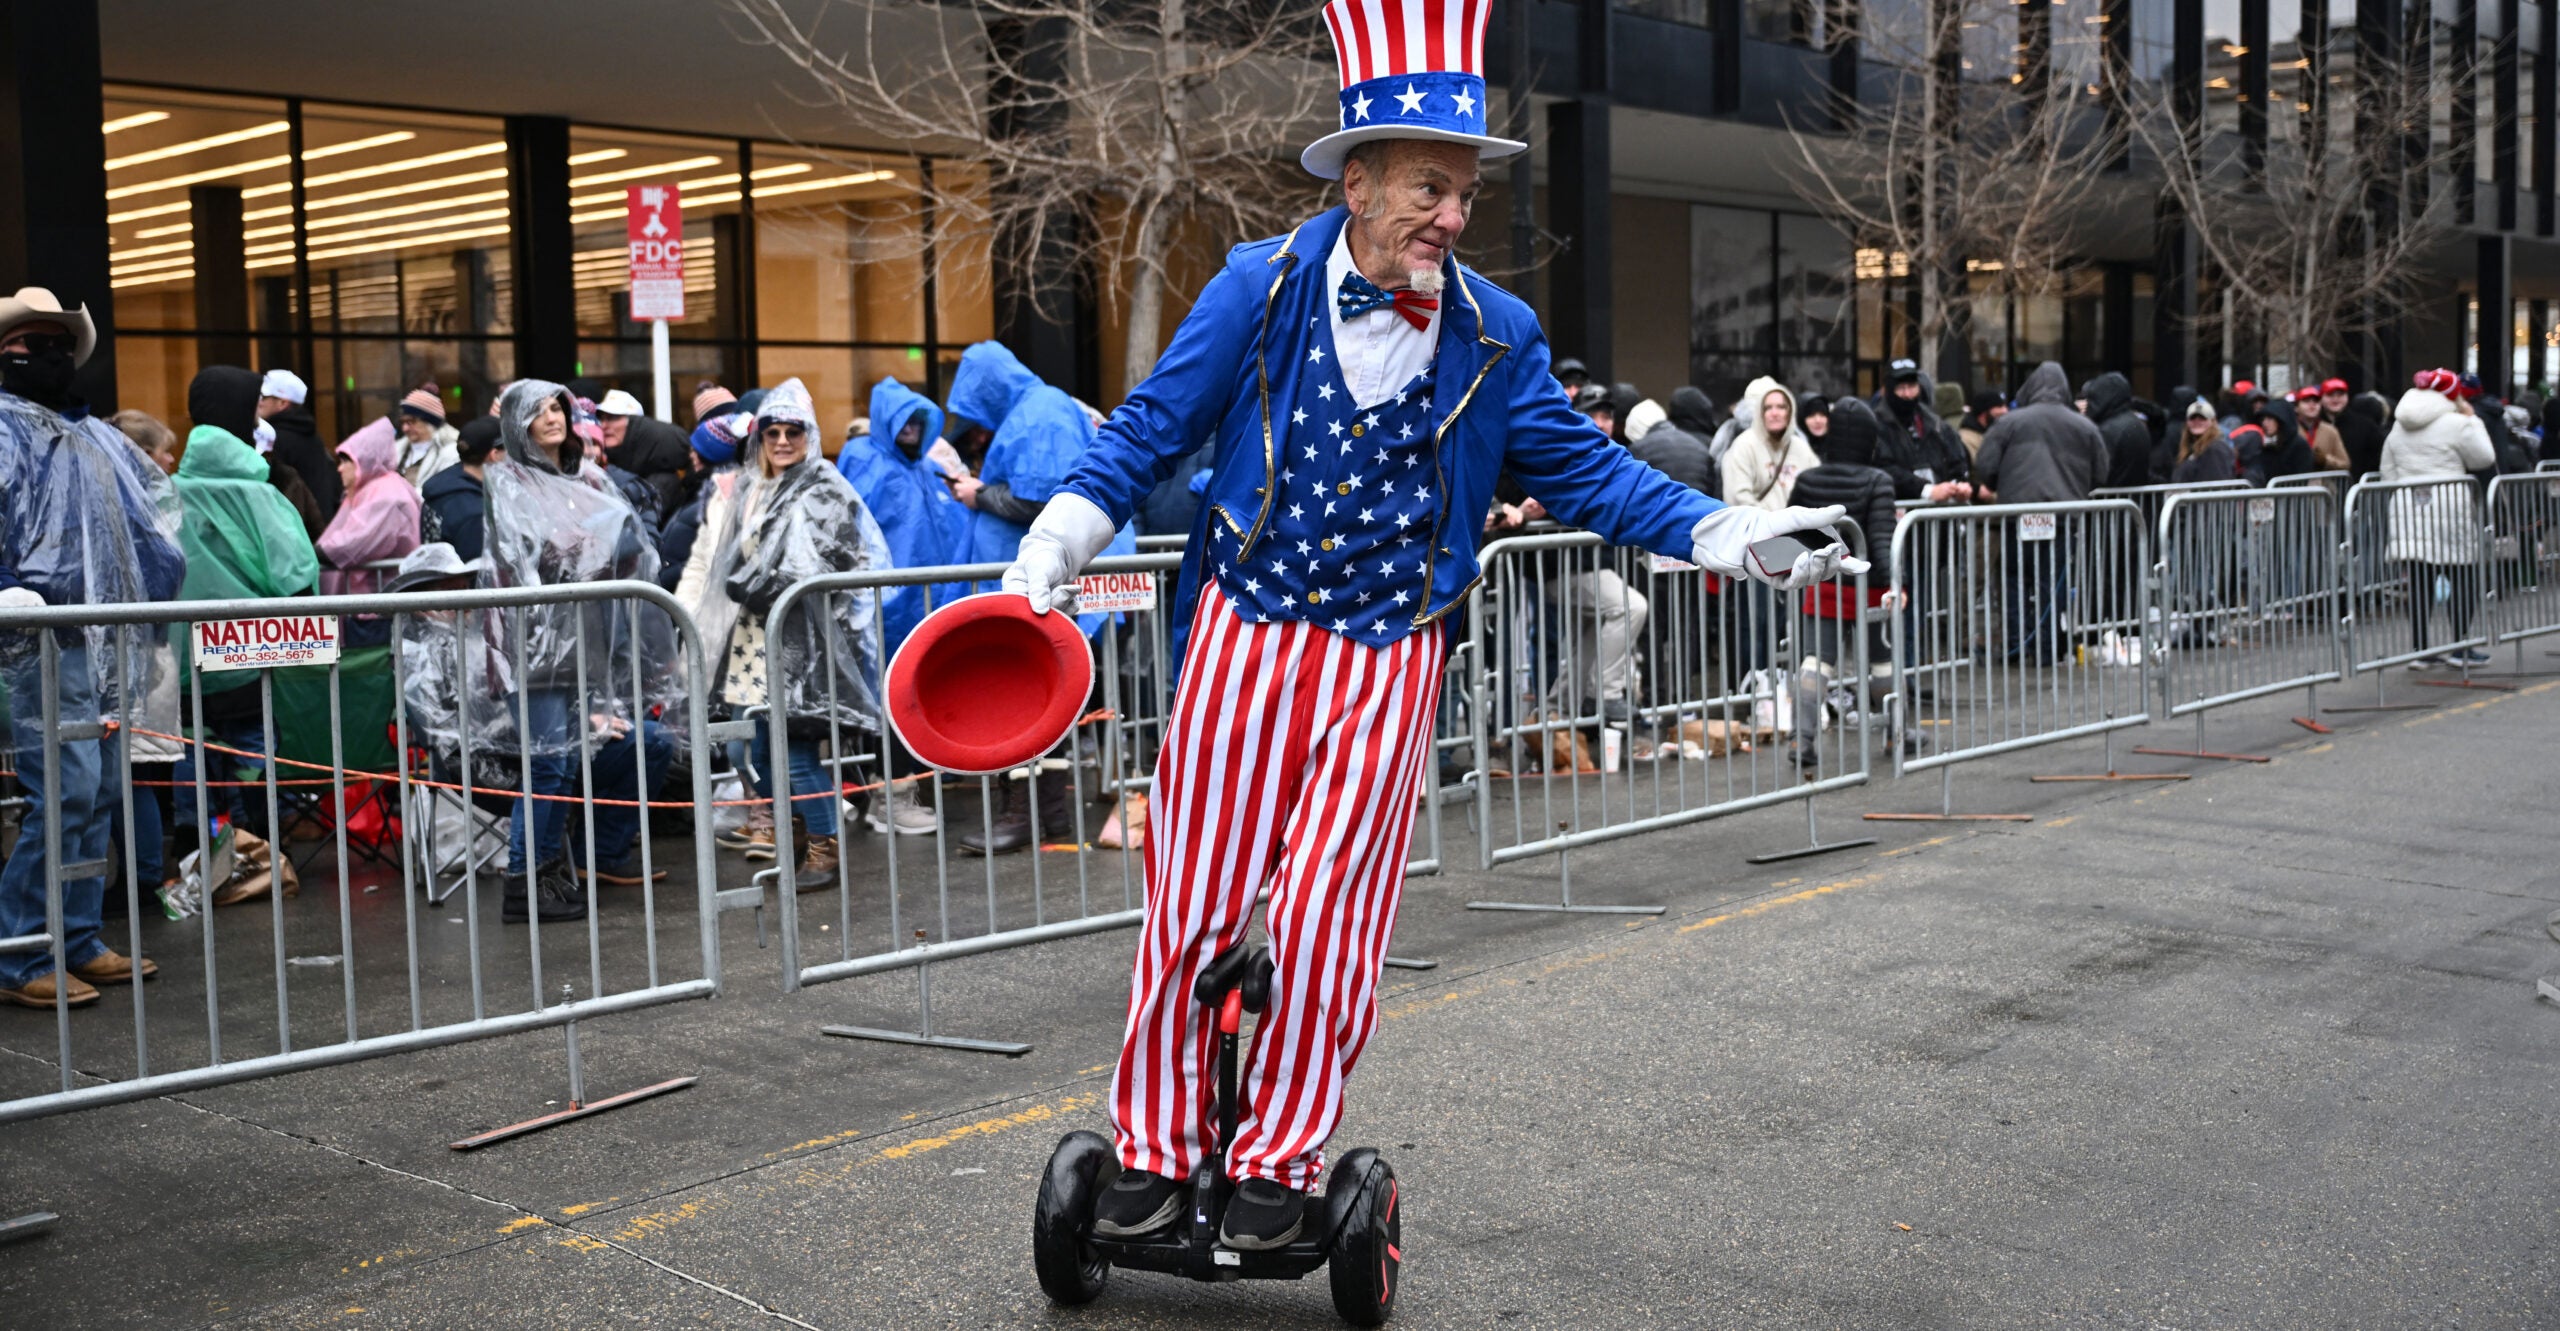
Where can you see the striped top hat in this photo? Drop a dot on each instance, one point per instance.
(1411, 69)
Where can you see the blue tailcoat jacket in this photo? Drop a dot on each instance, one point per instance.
(1236, 360)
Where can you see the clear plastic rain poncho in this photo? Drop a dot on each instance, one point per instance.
(546, 527)
(825, 660)
(85, 519)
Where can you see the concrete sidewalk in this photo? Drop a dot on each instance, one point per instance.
(2257, 1049)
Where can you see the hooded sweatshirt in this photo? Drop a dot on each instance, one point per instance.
(1760, 472)
(2044, 451)
(923, 523)
(298, 446)
(2128, 436)
(379, 518)
(1848, 475)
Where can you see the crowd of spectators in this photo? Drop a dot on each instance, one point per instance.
(566, 484)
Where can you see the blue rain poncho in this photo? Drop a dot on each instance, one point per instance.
(1040, 435)
(923, 523)
(85, 519)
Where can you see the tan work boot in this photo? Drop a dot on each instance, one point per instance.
(758, 835)
(113, 967)
(818, 860)
(39, 992)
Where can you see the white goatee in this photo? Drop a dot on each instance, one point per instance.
(1428, 281)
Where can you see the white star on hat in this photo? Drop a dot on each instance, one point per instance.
(1409, 102)
(1360, 108)
(1466, 102)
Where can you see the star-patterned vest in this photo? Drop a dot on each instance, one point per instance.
(1350, 531)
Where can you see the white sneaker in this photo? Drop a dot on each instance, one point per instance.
(907, 813)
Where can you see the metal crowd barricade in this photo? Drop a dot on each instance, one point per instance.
(2524, 555)
(2248, 599)
(2019, 627)
(2412, 548)
(2335, 482)
(1616, 693)
(2152, 498)
(446, 987)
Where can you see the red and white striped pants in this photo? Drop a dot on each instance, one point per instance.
(1290, 760)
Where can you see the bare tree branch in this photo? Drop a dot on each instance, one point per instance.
(1092, 129)
(1982, 159)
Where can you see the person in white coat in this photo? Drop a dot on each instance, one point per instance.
(2435, 528)
(1759, 471)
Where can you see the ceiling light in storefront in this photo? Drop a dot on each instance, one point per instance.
(118, 256)
(409, 190)
(135, 121)
(183, 275)
(272, 127)
(374, 214)
(198, 177)
(599, 155)
(155, 210)
(149, 266)
(349, 252)
(615, 196)
(836, 182)
(173, 228)
(359, 145)
(396, 229)
(636, 172)
(380, 169)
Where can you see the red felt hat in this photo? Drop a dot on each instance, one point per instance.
(984, 685)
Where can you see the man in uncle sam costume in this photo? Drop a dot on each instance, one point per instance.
(1364, 389)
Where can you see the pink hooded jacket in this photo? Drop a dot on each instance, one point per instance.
(379, 518)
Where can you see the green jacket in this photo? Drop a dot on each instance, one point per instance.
(241, 536)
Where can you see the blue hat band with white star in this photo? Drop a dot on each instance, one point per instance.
(1431, 100)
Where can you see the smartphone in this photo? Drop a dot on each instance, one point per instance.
(1777, 555)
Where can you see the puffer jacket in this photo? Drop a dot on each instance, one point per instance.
(2433, 440)
(1849, 477)
(2128, 436)
(2044, 451)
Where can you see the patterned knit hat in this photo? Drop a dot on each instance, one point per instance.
(711, 399)
(422, 401)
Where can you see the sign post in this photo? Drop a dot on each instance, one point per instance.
(654, 225)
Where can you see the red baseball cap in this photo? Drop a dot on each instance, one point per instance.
(2334, 386)
(983, 685)
(2436, 381)
(2306, 393)
(2244, 388)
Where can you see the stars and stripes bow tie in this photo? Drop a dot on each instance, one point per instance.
(1360, 295)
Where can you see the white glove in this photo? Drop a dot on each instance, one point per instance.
(19, 598)
(1066, 536)
(1722, 541)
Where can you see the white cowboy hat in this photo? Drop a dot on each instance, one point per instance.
(37, 305)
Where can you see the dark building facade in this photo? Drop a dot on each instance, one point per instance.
(223, 190)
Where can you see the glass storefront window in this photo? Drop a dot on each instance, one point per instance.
(181, 164)
(839, 248)
(1693, 13)
(603, 166)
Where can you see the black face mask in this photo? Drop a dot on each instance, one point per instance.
(42, 377)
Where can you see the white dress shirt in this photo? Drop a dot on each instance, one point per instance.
(1379, 351)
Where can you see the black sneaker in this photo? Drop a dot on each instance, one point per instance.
(1137, 1203)
(1262, 1215)
(558, 897)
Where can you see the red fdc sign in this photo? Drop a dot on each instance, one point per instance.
(655, 225)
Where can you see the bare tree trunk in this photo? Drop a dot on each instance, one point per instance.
(1143, 339)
